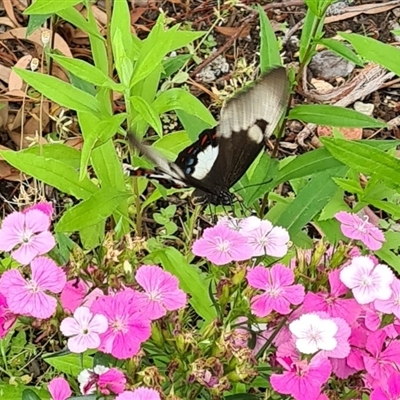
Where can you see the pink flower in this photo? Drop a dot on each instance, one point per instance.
(264, 238)
(332, 303)
(28, 231)
(391, 305)
(28, 296)
(112, 381)
(302, 380)
(390, 391)
(356, 228)
(7, 317)
(221, 245)
(162, 293)
(59, 389)
(45, 207)
(381, 359)
(140, 393)
(88, 379)
(84, 328)
(73, 294)
(279, 291)
(368, 282)
(128, 327)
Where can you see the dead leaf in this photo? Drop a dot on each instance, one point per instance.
(137, 13)
(5, 73)
(232, 31)
(348, 133)
(20, 33)
(26, 141)
(15, 82)
(9, 173)
(8, 7)
(4, 114)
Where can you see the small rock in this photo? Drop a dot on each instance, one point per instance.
(364, 108)
(329, 66)
(396, 12)
(321, 86)
(212, 71)
(295, 126)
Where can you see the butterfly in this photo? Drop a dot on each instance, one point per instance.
(221, 156)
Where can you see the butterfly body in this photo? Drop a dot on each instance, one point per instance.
(220, 156)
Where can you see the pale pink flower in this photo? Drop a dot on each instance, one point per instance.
(333, 303)
(390, 391)
(140, 393)
(28, 296)
(302, 380)
(371, 317)
(128, 327)
(342, 336)
(221, 245)
(7, 317)
(264, 238)
(84, 329)
(28, 233)
(312, 333)
(45, 207)
(391, 305)
(59, 389)
(279, 290)
(367, 281)
(356, 228)
(161, 294)
(112, 381)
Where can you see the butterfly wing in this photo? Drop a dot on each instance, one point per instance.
(246, 121)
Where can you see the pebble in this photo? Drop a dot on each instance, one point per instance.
(364, 108)
(329, 66)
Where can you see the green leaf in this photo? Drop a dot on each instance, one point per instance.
(269, 51)
(342, 50)
(181, 99)
(29, 394)
(364, 158)
(333, 116)
(71, 364)
(383, 54)
(95, 209)
(313, 6)
(35, 22)
(192, 125)
(306, 39)
(104, 130)
(190, 280)
(311, 200)
(349, 185)
(87, 72)
(392, 209)
(58, 151)
(147, 112)
(172, 144)
(73, 16)
(173, 64)
(181, 38)
(49, 6)
(60, 92)
(52, 172)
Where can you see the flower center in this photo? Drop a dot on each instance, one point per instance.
(274, 292)
(362, 227)
(26, 236)
(223, 245)
(119, 325)
(366, 281)
(32, 286)
(154, 295)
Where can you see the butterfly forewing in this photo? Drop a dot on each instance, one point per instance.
(220, 157)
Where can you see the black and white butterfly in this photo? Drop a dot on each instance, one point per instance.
(220, 156)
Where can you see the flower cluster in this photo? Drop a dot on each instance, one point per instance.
(240, 240)
(318, 324)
